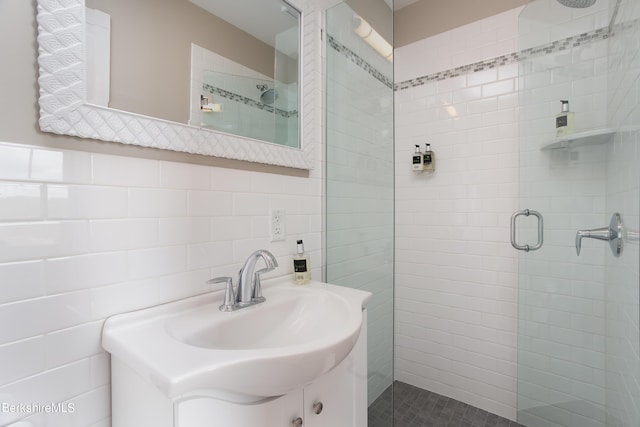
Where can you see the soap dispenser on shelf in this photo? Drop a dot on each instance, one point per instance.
(564, 120)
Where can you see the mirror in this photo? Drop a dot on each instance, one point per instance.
(221, 65)
(184, 79)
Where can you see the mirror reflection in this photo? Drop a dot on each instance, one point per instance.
(228, 66)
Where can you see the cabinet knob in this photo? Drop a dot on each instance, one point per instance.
(297, 422)
(317, 408)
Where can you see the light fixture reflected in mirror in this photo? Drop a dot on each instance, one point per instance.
(372, 37)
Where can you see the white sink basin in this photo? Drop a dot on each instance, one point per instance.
(190, 347)
(291, 318)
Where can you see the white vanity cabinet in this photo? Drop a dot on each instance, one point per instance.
(205, 412)
(332, 400)
(336, 399)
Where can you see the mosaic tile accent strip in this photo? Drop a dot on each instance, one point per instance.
(556, 46)
(247, 101)
(359, 61)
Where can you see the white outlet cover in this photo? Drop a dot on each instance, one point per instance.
(278, 229)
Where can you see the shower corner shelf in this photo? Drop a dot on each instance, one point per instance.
(581, 139)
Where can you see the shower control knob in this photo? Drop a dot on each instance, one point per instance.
(317, 408)
(297, 422)
(613, 234)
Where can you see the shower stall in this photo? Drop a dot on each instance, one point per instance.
(254, 107)
(578, 333)
(545, 328)
(230, 97)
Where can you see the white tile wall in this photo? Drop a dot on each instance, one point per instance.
(456, 273)
(203, 61)
(545, 21)
(84, 236)
(623, 180)
(570, 356)
(454, 333)
(477, 41)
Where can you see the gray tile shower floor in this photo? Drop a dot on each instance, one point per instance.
(415, 407)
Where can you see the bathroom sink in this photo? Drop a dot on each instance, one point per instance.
(189, 347)
(289, 319)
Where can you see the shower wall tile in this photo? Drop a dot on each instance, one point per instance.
(84, 236)
(456, 272)
(623, 195)
(477, 41)
(463, 208)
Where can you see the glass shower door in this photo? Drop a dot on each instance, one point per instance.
(359, 189)
(578, 330)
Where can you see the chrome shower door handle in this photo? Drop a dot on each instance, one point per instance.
(538, 244)
(612, 234)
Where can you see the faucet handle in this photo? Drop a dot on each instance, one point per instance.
(229, 296)
(613, 234)
(257, 287)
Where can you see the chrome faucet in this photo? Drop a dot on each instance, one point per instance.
(248, 291)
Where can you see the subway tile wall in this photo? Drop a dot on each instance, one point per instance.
(456, 273)
(623, 195)
(561, 341)
(84, 236)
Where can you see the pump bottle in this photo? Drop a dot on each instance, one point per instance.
(564, 120)
(429, 159)
(417, 160)
(301, 265)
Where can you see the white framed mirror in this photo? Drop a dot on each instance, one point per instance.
(70, 100)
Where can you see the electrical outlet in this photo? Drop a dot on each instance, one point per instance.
(277, 225)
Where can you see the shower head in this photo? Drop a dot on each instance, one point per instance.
(268, 96)
(580, 4)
